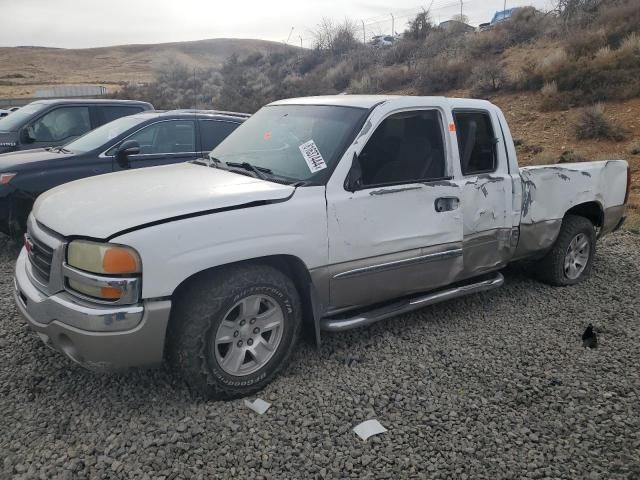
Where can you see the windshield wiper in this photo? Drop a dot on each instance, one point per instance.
(259, 171)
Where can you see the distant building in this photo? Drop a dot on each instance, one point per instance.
(456, 26)
(70, 91)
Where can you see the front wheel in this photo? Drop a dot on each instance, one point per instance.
(570, 259)
(235, 330)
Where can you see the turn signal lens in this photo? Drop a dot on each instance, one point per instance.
(103, 258)
(6, 178)
(120, 260)
(111, 293)
(104, 293)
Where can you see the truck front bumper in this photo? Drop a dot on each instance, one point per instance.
(97, 337)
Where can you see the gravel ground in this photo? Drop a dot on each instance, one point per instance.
(496, 385)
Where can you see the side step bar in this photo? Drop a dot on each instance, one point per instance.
(408, 305)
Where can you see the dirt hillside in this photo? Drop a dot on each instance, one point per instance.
(26, 69)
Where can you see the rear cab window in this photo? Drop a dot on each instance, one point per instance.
(212, 132)
(476, 142)
(108, 113)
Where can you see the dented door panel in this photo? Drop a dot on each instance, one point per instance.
(383, 245)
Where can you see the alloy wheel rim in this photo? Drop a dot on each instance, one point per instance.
(249, 335)
(577, 256)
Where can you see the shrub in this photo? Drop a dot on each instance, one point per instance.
(585, 42)
(340, 75)
(363, 85)
(393, 78)
(487, 77)
(441, 74)
(634, 148)
(309, 61)
(525, 25)
(569, 156)
(485, 43)
(552, 99)
(528, 78)
(593, 124)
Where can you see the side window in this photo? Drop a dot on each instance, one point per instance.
(212, 132)
(476, 142)
(106, 114)
(406, 147)
(174, 136)
(62, 123)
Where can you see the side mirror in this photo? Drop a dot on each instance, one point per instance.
(353, 181)
(130, 147)
(27, 135)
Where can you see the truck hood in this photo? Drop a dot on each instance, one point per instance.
(26, 157)
(101, 206)
(8, 141)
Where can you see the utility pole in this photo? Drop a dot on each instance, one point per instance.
(364, 33)
(289, 37)
(300, 37)
(461, 14)
(393, 25)
(505, 6)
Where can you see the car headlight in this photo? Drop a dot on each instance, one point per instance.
(117, 270)
(103, 258)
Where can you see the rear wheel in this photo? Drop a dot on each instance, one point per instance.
(233, 332)
(570, 259)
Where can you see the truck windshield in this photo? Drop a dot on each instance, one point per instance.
(13, 122)
(295, 142)
(100, 136)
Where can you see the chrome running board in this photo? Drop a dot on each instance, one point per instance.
(408, 305)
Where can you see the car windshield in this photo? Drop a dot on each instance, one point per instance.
(295, 142)
(101, 135)
(11, 123)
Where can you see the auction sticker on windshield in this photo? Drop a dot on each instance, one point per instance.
(312, 156)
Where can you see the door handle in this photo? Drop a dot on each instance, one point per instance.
(446, 204)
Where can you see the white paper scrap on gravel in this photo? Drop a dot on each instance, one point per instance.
(312, 156)
(369, 428)
(259, 406)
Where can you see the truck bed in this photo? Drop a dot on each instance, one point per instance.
(550, 191)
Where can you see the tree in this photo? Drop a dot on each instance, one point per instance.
(420, 26)
(460, 18)
(334, 38)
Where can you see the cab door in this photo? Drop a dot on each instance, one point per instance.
(486, 186)
(400, 231)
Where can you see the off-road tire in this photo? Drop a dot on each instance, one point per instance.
(199, 310)
(551, 268)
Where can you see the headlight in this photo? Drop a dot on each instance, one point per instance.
(103, 258)
(6, 178)
(112, 271)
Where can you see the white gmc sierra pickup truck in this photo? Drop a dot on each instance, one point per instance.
(328, 213)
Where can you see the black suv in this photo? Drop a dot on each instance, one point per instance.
(142, 140)
(49, 123)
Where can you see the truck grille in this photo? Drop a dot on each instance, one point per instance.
(40, 256)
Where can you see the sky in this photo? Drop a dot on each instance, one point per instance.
(96, 23)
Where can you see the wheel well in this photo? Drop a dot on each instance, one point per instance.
(289, 265)
(592, 211)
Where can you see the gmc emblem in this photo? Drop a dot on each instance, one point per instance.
(28, 243)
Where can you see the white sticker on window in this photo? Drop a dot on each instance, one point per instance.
(312, 156)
